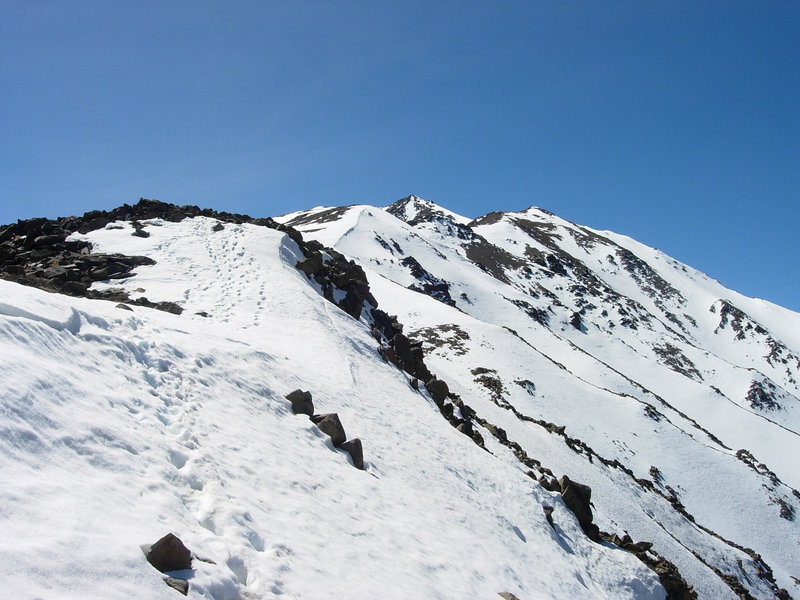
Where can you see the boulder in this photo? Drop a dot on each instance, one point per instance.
(330, 424)
(169, 554)
(356, 452)
(438, 390)
(47, 240)
(577, 497)
(301, 402)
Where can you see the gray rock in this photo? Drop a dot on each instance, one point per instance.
(301, 402)
(124, 306)
(356, 452)
(330, 424)
(169, 554)
(178, 584)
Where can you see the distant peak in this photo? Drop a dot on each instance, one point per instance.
(413, 210)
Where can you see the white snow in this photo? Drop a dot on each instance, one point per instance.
(602, 381)
(119, 426)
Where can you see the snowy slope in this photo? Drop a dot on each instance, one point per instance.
(679, 397)
(119, 426)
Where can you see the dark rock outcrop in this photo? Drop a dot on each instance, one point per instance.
(676, 586)
(408, 356)
(426, 283)
(36, 252)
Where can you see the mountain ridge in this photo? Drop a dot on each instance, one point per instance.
(493, 279)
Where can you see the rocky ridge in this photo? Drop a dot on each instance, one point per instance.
(545, 268)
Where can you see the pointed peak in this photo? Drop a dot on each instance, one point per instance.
(413, 210)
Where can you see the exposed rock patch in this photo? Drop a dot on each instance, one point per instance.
(426, 283)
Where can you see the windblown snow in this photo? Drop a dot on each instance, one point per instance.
(585, 351)
(120, 426)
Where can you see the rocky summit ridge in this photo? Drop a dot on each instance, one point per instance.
(634, 410)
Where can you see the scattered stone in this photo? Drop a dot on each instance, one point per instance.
(218, 227)
(124, 306)
(356, 452)
(507, 596)
(330, 424)
(302, 403)
(139, 230)
(178, 584)
(169, 554)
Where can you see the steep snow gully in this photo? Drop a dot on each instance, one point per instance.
(148, 432)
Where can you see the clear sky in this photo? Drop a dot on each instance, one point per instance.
(674, 122)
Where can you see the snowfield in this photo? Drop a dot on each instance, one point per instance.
(118, 426)
(678, 396)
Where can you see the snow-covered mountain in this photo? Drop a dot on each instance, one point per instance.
(478, 362)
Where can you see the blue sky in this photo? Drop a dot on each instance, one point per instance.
(677, 123)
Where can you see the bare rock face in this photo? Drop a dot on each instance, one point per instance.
(169, 554)
(353, 447)
(331, 425)
(302, 403)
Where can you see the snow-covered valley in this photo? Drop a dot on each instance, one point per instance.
(565, 351)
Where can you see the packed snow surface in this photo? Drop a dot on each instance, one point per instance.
(120, 426)
(690, 386)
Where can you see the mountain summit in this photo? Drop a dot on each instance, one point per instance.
(387, 402)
